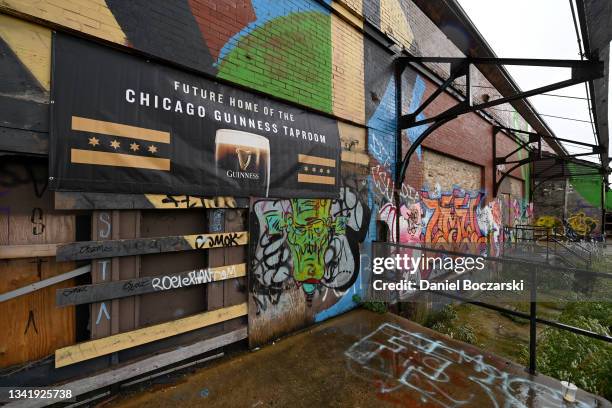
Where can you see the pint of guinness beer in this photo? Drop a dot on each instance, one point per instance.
(244, 159)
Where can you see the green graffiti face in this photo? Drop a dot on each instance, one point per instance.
(308, 233)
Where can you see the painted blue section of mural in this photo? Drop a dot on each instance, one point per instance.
(343, 305)
(382, 127)
(417, 96)
(266, 11)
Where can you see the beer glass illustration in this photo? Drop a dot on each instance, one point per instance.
(244, 157)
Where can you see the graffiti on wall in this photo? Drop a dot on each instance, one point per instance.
(521, 211)
(413, 369)
(579, 226)
(436, 216)
(457, 217)
(548, 221)
(453, 218)
(310, 243)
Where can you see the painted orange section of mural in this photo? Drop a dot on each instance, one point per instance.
(454, 218)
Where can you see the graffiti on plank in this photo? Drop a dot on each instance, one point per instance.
(139, 286)
(160, 201)
(142, 246)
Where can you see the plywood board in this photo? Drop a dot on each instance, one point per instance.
(27, 251)
(150, 284)
(32, 327)
(108, 201)
(162, 306)
(44, 283)
(143, 246)
(122, 341)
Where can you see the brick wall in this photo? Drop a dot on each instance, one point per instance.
(444, 172)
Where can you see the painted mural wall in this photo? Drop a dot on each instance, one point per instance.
(571, 206)
(307, 255)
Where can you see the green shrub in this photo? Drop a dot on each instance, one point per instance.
(378, 307)
(600, 311)
(443, 321)
(582, 360)
(465, 333)
(445, 315)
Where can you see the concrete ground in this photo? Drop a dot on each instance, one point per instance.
(361, 359)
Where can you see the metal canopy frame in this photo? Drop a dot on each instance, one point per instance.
(536, 154)
(582, 71)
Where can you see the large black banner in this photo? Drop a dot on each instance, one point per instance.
(122, 124)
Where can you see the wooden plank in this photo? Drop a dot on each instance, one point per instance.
(95, 348)
(139, 286)
(45, 283)
(234, 291)
(161, 307)
(24, 141)
(216, 258)
(169, 202)
(108, 201)
(143, 246)
(118, 375)
(104, 227)
(19, 113)
(125, 311)
(27, 251)
(32, 326)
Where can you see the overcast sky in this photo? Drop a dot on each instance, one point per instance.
(537, 29)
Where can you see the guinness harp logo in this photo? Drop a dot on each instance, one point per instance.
(119, 145)
(244, 158)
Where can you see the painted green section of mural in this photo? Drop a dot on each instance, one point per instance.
(589, 187)
(289, 57)
(308, 234)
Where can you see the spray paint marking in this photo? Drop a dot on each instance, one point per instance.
(32, 322)
(103, 263)
(414, 370)
(105, 219)
(104, 310)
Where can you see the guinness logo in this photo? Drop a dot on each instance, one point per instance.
(244, 158)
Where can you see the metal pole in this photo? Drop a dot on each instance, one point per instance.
(547, 242)
(398, 148)
(603, 208)
(532, 323)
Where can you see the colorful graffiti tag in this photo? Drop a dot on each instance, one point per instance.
(522, 211)
(453, 218)
(580, 225)
(410, 222)
(548, 221)
(312, 243)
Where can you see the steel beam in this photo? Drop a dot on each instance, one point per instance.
(582, 71)
(532, 62)
(565, 158)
